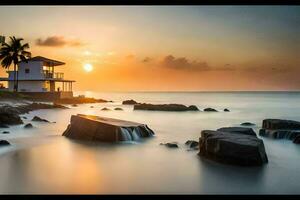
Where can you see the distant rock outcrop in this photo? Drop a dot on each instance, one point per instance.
(279, 128)
(210, 110)
(29, 125)
(118, 108)
(232, 148)
(129, 102)
(226, 110)
(105, 109)
(247, 124)
(165, 107)
(94, 128)
(170, 144)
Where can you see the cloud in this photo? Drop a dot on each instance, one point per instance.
(130, 56)
(183, 63)
(58, 41)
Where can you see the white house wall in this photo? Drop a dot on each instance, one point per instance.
(35, 70)
(31, 86)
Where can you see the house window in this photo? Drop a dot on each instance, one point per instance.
(27, 71)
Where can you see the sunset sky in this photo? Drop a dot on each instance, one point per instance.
(164, 48)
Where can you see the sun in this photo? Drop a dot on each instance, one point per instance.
(88, 67)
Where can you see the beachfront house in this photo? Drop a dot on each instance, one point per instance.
(38, 77)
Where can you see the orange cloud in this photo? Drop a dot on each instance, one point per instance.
(58, 41)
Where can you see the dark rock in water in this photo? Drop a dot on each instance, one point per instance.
(232, 148)
(279, 128)
(29, 125)
(210, 110)
(129, 102)
(38, 119)
(118, 109)
(105, 109)
(91, 106)
(226, 110)
(171, 144)
(24, 117)
(9, 117)
(94, 128)
(297, 140)
(4, 142)
(240, 130)
(280, 124)
(5, 132)
(164, 107)
(74, 105)
(192, 143)
(3, 126)
(247, 124)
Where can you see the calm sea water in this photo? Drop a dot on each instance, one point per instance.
(40, 160)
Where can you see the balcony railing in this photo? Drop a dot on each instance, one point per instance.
(56, 75)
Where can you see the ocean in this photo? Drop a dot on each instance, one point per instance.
(41, 161)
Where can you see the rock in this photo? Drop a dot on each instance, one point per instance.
(38, 119)
(91, 106)
(29, 125)
(4, 143)
(247, 124)
(164, 107)
(74, 105)
(24, 117)
(171, 144)
(232, 148)
(240, 130)
(192, 143)
(279, 128)
(5, 132)
(210, 110)
(9, 117)
(280, 124)
(129, 102)
(94, 128)
(105, 109)
(226, 110)
(118, 108)
(297, 140)
(3, 126)
(80, 100)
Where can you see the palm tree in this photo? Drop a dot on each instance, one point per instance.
(13, 53)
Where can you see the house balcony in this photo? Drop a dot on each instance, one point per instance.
(56, 75)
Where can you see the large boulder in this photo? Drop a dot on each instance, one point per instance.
(280, 124)
(279, 128)
(240, 130)
(4, 143)
(192, 144)
(129, 102)
(232, 148)
(8, 117)
(94, 128)
(165, 107)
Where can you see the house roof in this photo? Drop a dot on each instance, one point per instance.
(47, 61)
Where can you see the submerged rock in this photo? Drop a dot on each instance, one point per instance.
(232, 148)
(210, 110)
(247, 124)
(192, 143)
(170, 144)
(297, 140)
(29, 125)
(74, 105)
(279, 128)
(118, 108)
(94, 128)
(4, 143)
(165, 107)
(129, 102)
(105, 109)
(226, 110)
(240, 130)
(38, 119)
(5, 132)
(91, 106)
